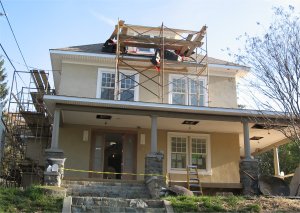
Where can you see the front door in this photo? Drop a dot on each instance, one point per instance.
(113, 152)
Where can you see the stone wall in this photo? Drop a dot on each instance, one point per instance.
(249, 177)
(154, 165)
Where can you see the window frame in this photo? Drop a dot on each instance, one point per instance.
(207, 171)
(188, 88)
(126, 72)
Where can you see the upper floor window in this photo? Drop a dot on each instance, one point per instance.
(127, 85)
(188, 90)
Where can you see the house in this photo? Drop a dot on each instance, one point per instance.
(119, 101)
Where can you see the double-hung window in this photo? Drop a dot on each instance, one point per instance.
(188, 149)
(127, 85)
(187, 90)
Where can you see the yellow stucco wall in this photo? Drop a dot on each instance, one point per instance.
(224, 153)
(222, 92)
(81, 80)
(75, 149)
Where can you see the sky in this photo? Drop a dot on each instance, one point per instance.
(40, 25)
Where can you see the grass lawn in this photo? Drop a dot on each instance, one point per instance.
(233, 204)
(32, 199)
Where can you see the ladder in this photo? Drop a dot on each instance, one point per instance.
(193, 180)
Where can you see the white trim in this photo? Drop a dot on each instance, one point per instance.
(99, 81)
(98, 86)
(188, 88)
(51, 100)
(207, 171)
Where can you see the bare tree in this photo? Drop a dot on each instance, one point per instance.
(274, 59)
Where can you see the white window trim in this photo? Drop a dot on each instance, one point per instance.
(187, 101)
(126, 72)
(207, 171)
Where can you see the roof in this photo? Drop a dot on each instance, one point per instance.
(97, 49)
(233, 114)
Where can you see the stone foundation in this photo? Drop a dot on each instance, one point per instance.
(154, 165)
(53, 176)
(52, 179)
(249, 177)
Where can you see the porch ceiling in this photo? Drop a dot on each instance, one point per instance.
(175, 124)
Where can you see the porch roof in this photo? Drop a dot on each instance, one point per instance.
(83, 111)
(159, 109)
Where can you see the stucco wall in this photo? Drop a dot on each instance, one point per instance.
(222, 92)
(81, 81)
(75, 149)
(224, 153)
(78, 80)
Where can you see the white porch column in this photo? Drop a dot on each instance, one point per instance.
(276, 162)
(55, 129)
(246, 140)
(153, 133)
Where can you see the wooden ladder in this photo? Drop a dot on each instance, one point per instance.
(193, 180)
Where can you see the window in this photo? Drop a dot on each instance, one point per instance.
(188, 149)
(127, 86)
(198, 153)
(187, 90)
(178, 155)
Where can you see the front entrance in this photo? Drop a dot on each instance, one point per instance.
(113, 152)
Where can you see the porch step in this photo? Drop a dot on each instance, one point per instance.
(111, 189)
(104, 204)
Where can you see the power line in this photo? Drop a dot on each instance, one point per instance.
(13, 34)
(10, 61)
(31, 67)
(7, 56)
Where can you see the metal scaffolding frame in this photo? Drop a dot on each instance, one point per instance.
(26, 119)
(192, 45)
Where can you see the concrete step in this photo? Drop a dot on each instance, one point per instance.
(107, 189)
(105, 204)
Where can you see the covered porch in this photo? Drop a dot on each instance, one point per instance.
(215, 139)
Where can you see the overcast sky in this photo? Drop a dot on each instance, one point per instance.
(40, 25)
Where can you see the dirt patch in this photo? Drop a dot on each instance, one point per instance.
(279, 204)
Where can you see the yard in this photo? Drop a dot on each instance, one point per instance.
(233, 204)
(32, 199)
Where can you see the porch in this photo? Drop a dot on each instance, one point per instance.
(215, 139)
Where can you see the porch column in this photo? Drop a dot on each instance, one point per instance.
(246, 140)
(276, 162)
(153, 133)
(55, 129)
(248, 166)
(54, 157)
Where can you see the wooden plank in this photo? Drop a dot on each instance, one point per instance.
(37, 100)
(45, 80)
(157, 40)
(114, 33)
(38, 79)
(149, 45)
(186, 47)
(158, 29)
(199, 37)
(124, 30)
(34, 80)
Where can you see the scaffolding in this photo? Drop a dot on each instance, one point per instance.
(27, 121)
(189, 46)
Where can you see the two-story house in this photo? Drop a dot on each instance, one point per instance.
(148, 90)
